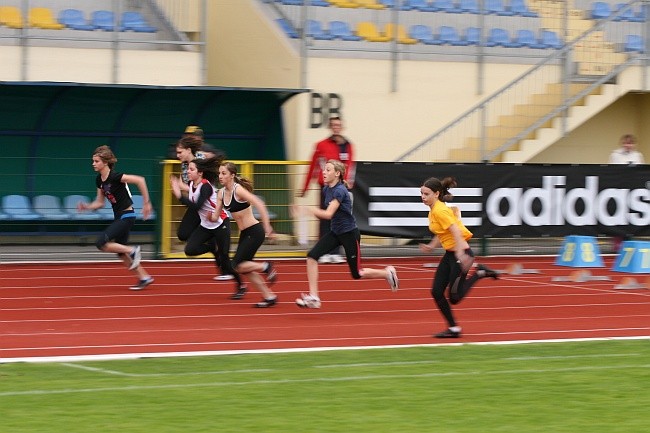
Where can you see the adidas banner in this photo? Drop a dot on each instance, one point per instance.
(506, 200)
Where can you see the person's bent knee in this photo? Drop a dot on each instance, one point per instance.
(101, 242)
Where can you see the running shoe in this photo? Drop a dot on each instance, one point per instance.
(271, 274)
(224, 277)
(392, 279)
(308, 301)
(135, 256)
(336, 258)
(487, 272)
(142, 284)
(239, 294)
(447, 333)
(266, 303)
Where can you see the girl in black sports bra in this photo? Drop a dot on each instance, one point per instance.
(251, 231)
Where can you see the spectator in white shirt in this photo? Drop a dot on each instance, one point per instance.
(626, 154)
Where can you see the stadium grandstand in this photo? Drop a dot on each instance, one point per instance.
(427, 85)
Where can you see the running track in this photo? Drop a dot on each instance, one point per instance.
(85, 309)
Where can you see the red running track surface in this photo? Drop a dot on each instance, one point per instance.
(73, 309)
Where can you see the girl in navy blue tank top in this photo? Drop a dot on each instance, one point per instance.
(343, 231)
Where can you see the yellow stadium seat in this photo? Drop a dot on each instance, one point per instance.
(402, 36)
(370, 4)
(10, 16)
(43, 18)
(344, 3)
(369, 32)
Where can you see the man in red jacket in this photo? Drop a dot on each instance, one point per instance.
(336, 146)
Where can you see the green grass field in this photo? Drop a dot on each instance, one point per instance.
(586, 387)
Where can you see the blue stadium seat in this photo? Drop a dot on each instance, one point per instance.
(528, 39)
(600, 10)
(519, 7)
(496, 7)
(446, 6)
(135, 21)
(19, 208)
(287, 28)
(469, 6)
(634, 43)
(341, 30)
(106, 212)
(70, 206)
(449, 35)
(424, 34)
(420, 5)
(550, 39)
(473, 36)
(74, 19)
(138, 204)
(628, 14)
(315, 30)
(103, 20)
(49, 207)
(388, 3)
(498, 37)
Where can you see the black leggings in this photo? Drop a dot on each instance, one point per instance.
(215, 241)
(450, 274)
(349, 240)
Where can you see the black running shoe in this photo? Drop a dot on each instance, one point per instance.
(266, 303)
(489, 273)
(447, 333)
(239, 294)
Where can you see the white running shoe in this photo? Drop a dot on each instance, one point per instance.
(327, 258)
(223, 277)
(308, 301)
(391, 277)
(337, 258)
(142, 284)
(135, 256)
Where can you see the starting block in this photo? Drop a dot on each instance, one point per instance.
(518, 269)
(581, 276)
(630, 283)
(580, 252)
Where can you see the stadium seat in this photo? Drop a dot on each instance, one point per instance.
(498, 37)
(496, 7)
(627, 14)
(74, 19)
(315, 30)
(528, 39)
(134, 21)
(370, 4)
(138, 204)
(70, 203)
(49, 207)
(600, 10)
(473, 36)
(11, 17)
(519, 7)
(550, 39)
(18, 208)
(103, 20)
(469, 6)
(634, 43)
(43, 18)
(388, 3)
(446, 6)
(106, 212)
(424, 34)
(421, 5)
(344, 3)
(449, 36)
(369, 32)
(341, 30)
(402, 36)
(287, 28)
